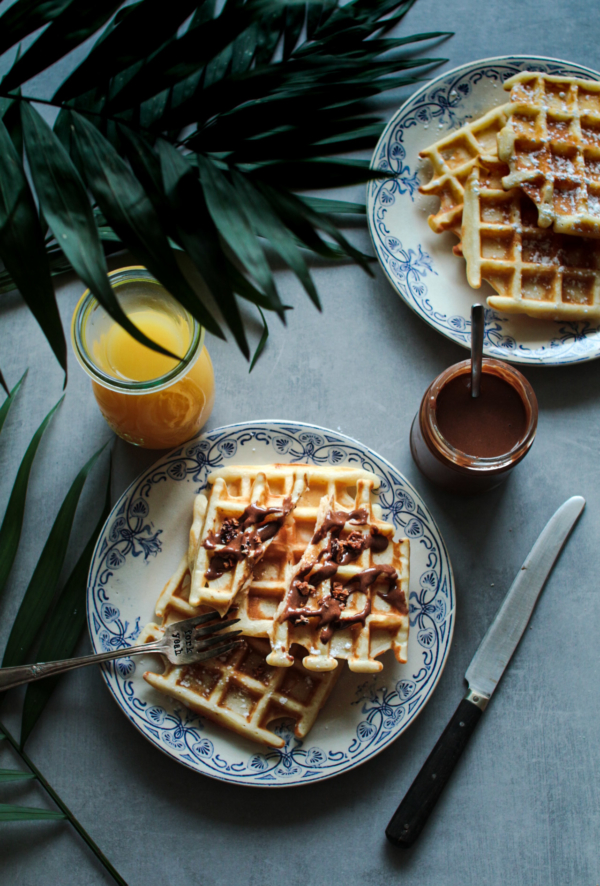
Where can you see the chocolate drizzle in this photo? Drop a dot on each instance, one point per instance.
(336, 520)
(339, 552)
(243, 537)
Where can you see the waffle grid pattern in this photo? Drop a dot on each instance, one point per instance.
(233, 489)
(226, 689)
(257, 602)
(241, 692)
(534, 270)
(453, 159)
(385, 627)
(552, 144)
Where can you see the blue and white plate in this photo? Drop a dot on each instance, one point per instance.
(143, 541)
(419, 264)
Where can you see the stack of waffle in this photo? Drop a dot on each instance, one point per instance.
(265, 540)
(520, 187)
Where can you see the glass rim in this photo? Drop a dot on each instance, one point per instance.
(82, 313)
(463, 461)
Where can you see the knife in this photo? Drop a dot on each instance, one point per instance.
(483, 674)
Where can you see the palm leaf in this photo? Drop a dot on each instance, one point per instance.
(198, 235)
(145, 163)
(335, 207)
(265, 223)
(26, 16)
(67, 208)
(68, 599)
(10, 531)
(14, 775)
(26, 813)
(130, 213)
(304, 221)
(10, 400)
(74, 24)
(255, 96)
(63, 628)
(242, 286)
(22, 247)
(145, 29)
(41, 588)
(261, 344)
(183, 57)
(318, 173)
(12, 120)
(235, 228)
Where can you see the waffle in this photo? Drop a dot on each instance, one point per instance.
(256, 604)
(453, 158)
(241, 692)
(551, 143)
(216, 577)
(534, 270)
(353, 621)
(173, 603)
(257, 601)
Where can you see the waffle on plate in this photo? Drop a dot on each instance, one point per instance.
(452, 159)
(246, 689)
(505, 178)
(551, 142)
(241, 692)
(233, 529)
(347, 597)
(534, 270)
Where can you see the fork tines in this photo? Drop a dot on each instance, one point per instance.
(219, 650)
(214, 627)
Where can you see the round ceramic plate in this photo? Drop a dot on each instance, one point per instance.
(143, 541)
(420, 264)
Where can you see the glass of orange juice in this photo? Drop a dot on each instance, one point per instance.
(148, 399)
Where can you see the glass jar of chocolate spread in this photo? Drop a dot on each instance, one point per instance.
(470, 444)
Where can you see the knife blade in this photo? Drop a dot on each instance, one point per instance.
(482, 676)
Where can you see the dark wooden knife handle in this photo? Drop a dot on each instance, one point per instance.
(412, 813)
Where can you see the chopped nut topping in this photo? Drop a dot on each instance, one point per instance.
(353, 544)
(339, 593)
(229, 530)
(355, 541)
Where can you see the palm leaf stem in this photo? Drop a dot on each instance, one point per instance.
(63, 807)
(66, 106)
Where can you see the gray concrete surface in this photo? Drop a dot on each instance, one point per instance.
(524, 805)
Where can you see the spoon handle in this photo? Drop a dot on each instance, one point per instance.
(477, 320)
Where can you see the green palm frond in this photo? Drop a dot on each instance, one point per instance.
(49, 618)
(190, 128)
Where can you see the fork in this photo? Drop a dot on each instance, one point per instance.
(184, 642)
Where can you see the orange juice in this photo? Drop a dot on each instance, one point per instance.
(147, 398)
(123, 357)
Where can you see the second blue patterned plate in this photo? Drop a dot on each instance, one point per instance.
(419, 264)
(144, 539)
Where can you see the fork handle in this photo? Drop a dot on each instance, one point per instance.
(10, 677)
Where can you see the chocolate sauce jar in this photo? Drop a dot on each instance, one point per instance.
(469, 445)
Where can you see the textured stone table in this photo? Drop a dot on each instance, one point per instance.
(524, 805)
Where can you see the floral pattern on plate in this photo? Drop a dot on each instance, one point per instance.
(420, 264)
(139, 548)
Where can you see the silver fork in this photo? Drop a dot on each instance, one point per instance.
(185, 642)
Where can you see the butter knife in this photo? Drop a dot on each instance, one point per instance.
(483, 674)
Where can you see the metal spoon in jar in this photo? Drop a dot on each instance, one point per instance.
(477, 321)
